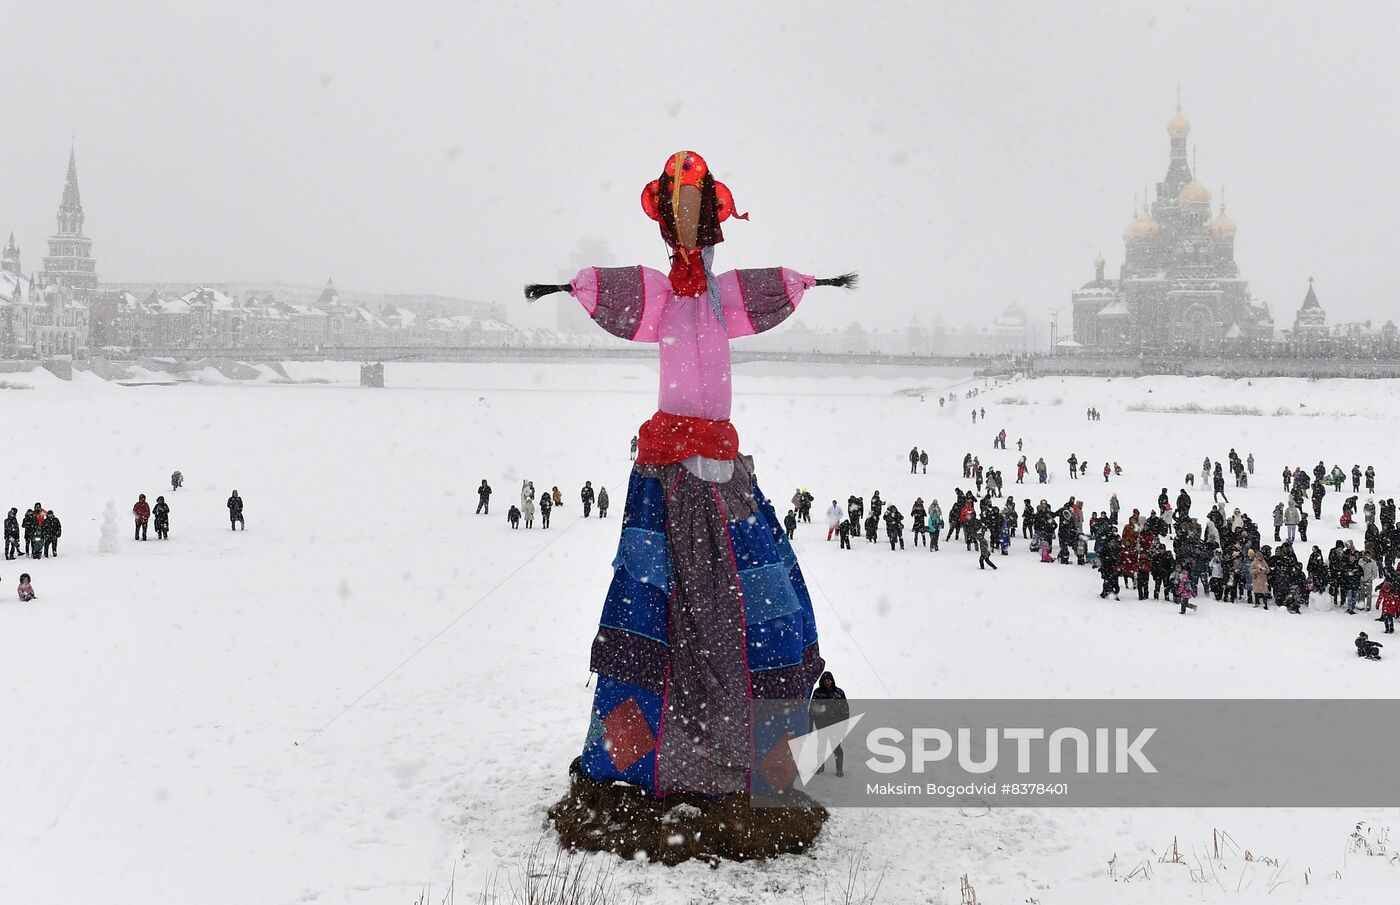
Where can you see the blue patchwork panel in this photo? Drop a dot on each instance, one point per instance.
(646, 557)
(646, 504)
(596, 762)
(768, 593)
(632, 606)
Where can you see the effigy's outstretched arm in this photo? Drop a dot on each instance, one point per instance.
(625, 301)
(760, 299)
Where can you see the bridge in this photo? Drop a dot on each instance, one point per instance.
(992, 364)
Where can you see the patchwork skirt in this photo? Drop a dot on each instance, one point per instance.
(707, 613)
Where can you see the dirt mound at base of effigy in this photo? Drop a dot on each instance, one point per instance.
(617, 817)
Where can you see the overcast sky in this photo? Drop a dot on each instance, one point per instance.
(962, 157)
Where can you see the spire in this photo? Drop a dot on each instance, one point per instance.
(70, 209)
(1310, 300)
(71, 199)
(1178, 173)
(9, 260)
(329, 296)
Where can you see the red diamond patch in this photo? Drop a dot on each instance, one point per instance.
(626, 735)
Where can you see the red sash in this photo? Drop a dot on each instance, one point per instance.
(666, 438)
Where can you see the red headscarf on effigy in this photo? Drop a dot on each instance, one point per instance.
(662, 198)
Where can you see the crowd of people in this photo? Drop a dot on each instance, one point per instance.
(35, 534)
(38, 528)
(544, 504)
(1167, 553)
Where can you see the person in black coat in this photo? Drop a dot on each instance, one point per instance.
(513, 516)
(843, 530)
(546, 506)
(1109, 562)
(894, 526)
(955, 514)
(1163, 562)
(235, 512)
(31, 528)
(586, 495)
(12, 534)
(828, 707)
(483, 498)
(49, 534)
(790, 523)
(1365, 648)
(1318, 575)
(1335, 567)
(160, 512)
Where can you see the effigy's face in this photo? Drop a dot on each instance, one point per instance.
(688, 215)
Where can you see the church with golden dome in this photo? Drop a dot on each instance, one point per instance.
(1179, 288)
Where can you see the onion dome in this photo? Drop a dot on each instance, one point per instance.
(1222, 227)
(1144, 227)
(1194, 193)
(1098, 260)
(1178, 126)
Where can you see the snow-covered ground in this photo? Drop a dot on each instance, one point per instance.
(173, 717)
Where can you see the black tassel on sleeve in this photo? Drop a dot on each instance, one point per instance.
(540, 290)
(845, 280)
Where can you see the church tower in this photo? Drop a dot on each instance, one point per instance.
(69, 262)
(9, 262)
(1311, 320)
(1178, 171)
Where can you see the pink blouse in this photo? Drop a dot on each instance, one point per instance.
(638, 304)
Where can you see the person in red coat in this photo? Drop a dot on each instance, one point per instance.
(1390, 605)
(142, 511)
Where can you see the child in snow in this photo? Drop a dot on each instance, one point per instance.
(1185, 588)
(1390, 606)
(513, 516)
(1367, 649)
(26, 590)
